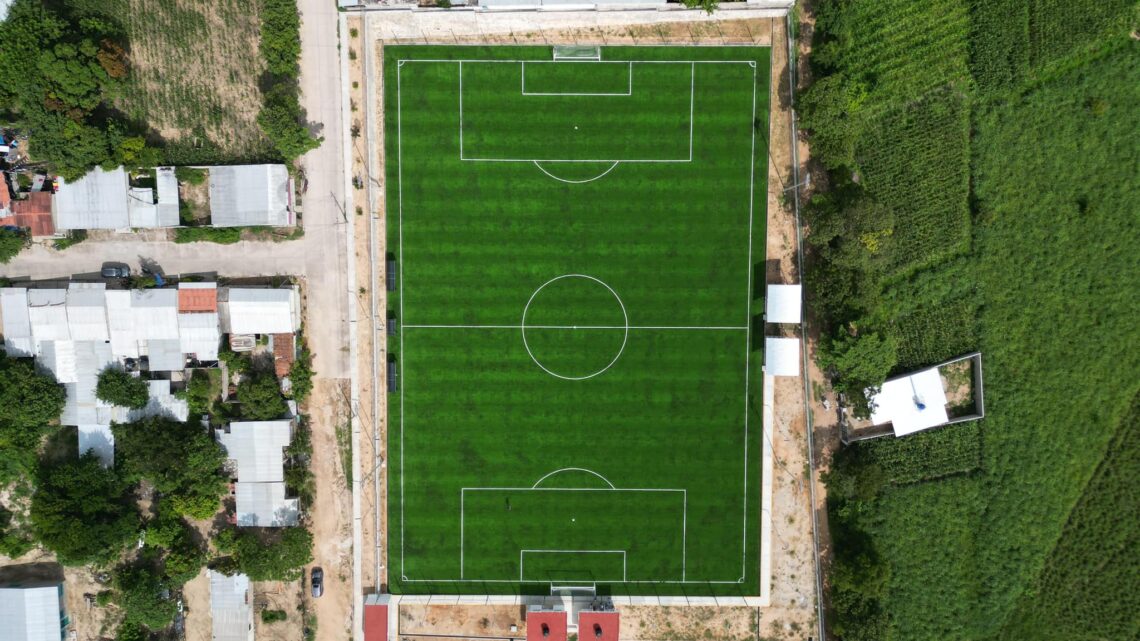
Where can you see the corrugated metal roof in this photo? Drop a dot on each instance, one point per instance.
(98, 439)
(31, 614)
(264, 505)
(17, 325)
(257, 447)
(782, 356)
(141, 210)
(162, 403)
(166, 184)
(259, 311)
(243, 195)
(165, 355)
(121, 324)
(230, 607)
(200, 335)
(98, 200)
(155, 314)
(86, 311)
(47, 311)
(58, 357)
(782, 304)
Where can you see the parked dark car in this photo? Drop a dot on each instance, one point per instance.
(116, 270)
(318, 582)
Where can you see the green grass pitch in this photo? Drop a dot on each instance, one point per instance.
(580, 246)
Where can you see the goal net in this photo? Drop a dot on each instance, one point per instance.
(573, 589)
(577, 52)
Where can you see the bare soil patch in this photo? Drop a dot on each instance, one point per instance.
(474, 620)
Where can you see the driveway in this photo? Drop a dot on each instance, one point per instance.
(234, 261)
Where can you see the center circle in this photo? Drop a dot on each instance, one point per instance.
(574, 327)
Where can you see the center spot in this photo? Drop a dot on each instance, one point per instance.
(574, 327)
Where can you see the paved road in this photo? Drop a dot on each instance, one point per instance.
(324, 216)
(237, 260)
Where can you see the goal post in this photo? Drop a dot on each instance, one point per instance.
(581, 589)
(577, 52)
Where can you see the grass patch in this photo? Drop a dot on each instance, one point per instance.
(575, 403)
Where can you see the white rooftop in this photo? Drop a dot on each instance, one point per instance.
(30, 614)
(166, 184)
(230, 607)
(258, 448)
(782, 356)
(911, 403)
(265, 505)
(242, 195)
(782, 304)
(86, 311)
(98, 200)
(259, 311)
(200, 335)
(17, 328)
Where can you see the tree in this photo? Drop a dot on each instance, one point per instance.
(301, 374)
(260, 397)
(862, 362)
(29, 403)
(117, 387)
(11, 242)
(173, 540)
(73, 77)
(83, 512)
(141, 597)
(269, 555)
(180, 459)
(282, 121)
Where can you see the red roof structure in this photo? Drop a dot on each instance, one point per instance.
(375, 618)
(545, 625)
(598, 626)
(283, 353)
(197, 300)
(5, 197)
(34, 212)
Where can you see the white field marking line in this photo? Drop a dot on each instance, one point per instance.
(628, 92)
(579, 182)
(572, 469)
(400, 191)
(625, 328)
(624, 565)
(692, 100)
(747, 335)
(632, 327)
(462, 519)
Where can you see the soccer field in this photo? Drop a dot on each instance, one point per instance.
(579, 247)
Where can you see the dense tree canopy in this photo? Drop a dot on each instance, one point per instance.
(117, 387)
(11, 242)
(267, 555)
(140, 597)
(260, 397)
(180, 459)
(83, 512)
(29, 402)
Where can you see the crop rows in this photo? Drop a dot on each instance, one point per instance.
(916, 163)
(1060, 28)
(930, 336)
(955, 449)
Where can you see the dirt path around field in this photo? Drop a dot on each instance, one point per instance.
(792, 614)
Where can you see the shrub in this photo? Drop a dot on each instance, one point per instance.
(141, 598)
(11, 242)
(220, 235)
(191, 175)
(74, 237)
(272, 616)
(117, 387)
(260, 398)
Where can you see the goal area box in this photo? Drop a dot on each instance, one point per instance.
(578, 231)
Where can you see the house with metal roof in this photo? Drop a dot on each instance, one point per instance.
(257, 452)
(98, 200)
(17, 324)
(32, 613)
(230, 609)
(250, 195)
(260, 311)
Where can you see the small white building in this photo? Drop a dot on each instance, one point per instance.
(781, 356)
(258, 451)
(250, 195)
(230, 608)
(32, 613)
(783, 304)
